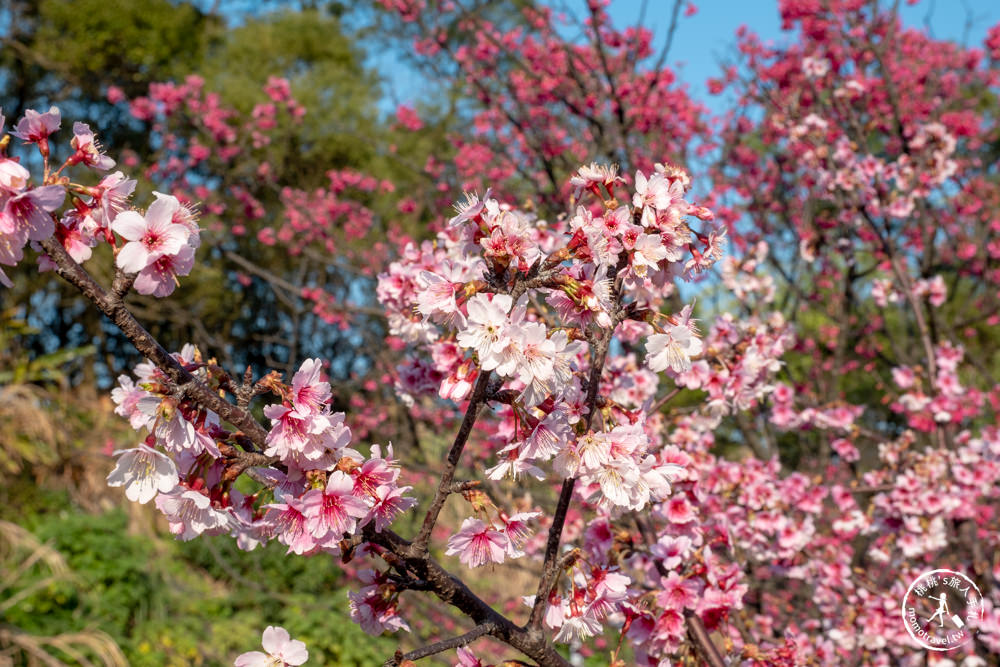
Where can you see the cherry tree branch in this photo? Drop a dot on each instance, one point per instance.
(453, 591)
(476, 402)
(535, 278)
(446, 586)
(112, 305)
(441, 646)
(550, 570)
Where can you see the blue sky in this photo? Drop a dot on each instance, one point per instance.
(706, 39)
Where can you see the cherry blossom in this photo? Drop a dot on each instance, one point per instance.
(143, 472)
(87, 150)
(827, 437)
(190, 513)
(36, 127)
(478, 543)
(280, 651)
(672, 349)
(487, 328)
(333, 511)
(149, 237)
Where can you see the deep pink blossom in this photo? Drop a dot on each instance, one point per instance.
(334, 511)
(36, 127)
(87, 150)
(389, 503)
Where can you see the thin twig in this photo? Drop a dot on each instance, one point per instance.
(476, 402)
(441, 646)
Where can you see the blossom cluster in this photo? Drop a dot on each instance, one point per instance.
(502, 295)
(157, 246)
(504, 298)
(324, 492)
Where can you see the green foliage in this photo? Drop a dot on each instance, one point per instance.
(17, 366)
(92, 42)
(41, 423)
(172, 603)
(325, 69)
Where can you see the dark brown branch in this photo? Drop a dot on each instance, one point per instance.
(476, 402)
(453, 591)
(598, 353)
(441, 646)
(550, 569)
(699, 634)
(112, 305)
(662, 58)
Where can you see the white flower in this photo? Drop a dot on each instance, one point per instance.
(672, 349)
(281, 649)
(529, 355)
(486, 329)
(655, 191)
(577, 627)
(617, 480)
(190, 513)
(594, 174)
(437, 295)
(550, 436)
(648, 252)
(128, 396)
(562, 355)
(143, 472)
(468, 209)
(815, 68)
(513, 464)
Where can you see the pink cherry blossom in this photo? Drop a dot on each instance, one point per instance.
(190, 513)
(469, 209)
(292, 526)
(478, 543)
(373, 607)
(87, 150)
(159, 277)
(149, 237)
(36, 127)
(517, 531)
(309, 393)
(334, 511)
(389, 503)
(467, 658)
(27, 215)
